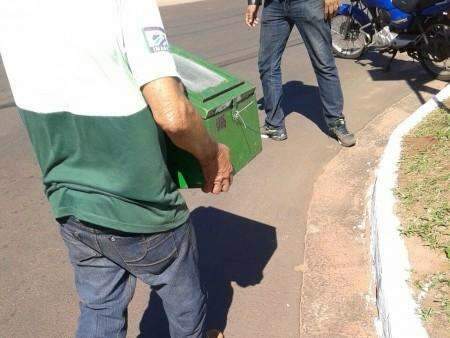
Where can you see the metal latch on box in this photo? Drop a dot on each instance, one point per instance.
(236, 114)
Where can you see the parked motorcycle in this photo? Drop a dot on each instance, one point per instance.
(420, 28)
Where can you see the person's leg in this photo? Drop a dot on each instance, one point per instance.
(168, 262)
(308, 16)
(104, 288)
(180, 288)
(275, 31)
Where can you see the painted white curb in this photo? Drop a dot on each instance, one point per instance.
(397, 308)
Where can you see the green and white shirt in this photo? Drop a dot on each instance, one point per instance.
(75, 68)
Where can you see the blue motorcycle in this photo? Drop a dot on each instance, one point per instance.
(420, 28)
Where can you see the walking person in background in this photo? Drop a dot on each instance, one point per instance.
(96, 87)
(310, 17)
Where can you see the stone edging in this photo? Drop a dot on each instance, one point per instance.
(397, 309)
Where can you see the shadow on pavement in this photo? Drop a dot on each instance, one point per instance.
(232, 249)
(400, 70)
(305, 99)
(302, 99)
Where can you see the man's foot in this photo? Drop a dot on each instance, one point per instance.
(339, 131)
(277, 134)
(214, 334)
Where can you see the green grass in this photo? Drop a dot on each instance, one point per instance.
(424, 195)
(439, 285)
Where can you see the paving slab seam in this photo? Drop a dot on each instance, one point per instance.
(165, 3)
(397, 309)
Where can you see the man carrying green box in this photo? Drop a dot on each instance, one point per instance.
(97, 88)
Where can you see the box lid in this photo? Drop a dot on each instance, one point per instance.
(203, 81)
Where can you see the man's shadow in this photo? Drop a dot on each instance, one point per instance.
(304, 100)
(231, 249)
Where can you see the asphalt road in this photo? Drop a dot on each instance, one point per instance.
(251, 239)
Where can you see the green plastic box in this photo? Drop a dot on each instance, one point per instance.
(228, 108)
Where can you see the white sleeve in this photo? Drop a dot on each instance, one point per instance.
(145, 41)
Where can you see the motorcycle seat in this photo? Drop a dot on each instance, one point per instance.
(410, 6)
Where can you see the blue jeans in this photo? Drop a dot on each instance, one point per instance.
(278, 19)
(106, 264)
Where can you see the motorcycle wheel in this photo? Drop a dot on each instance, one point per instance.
(348, 41)
(434, 57)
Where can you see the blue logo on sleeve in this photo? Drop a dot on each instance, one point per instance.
(156, 39)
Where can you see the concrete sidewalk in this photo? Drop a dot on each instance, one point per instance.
(338, 297)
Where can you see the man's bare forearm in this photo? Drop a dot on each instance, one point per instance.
(177, 117)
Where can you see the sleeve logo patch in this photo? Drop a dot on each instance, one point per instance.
(156, 39)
